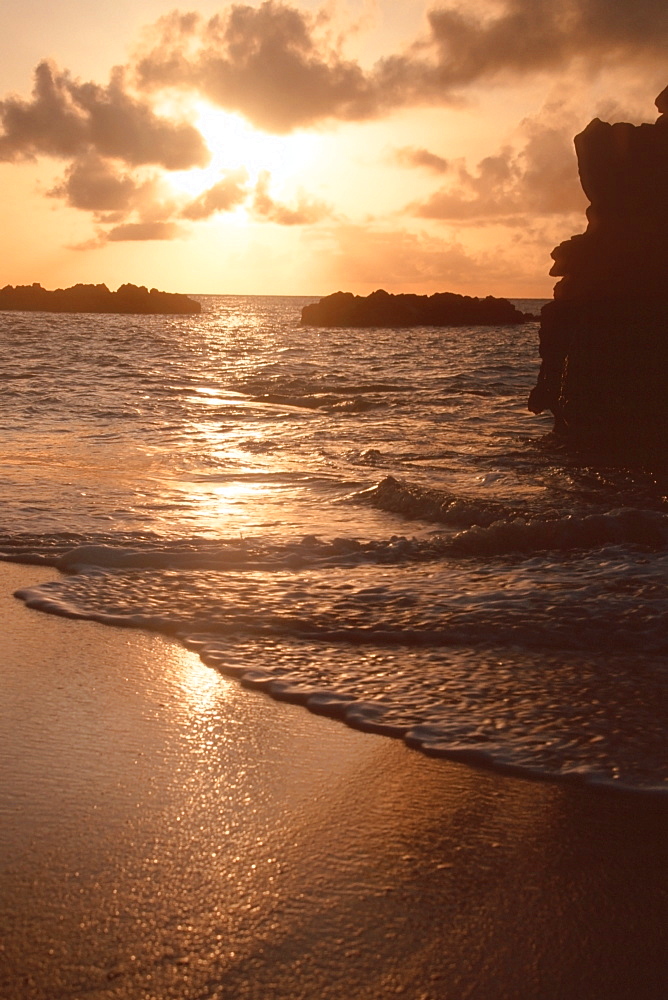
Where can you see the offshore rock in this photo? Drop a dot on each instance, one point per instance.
(382, 309)
(96, 299)
(604, 337)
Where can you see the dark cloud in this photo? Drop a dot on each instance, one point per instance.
(229, 192)
(519, 37)
(305, 213)
(135, 231)
(131, 232)
(97, 185)
(131, 202)
(276, 65)
(279, 67)
(66, 118)
(271, 63)
(409, 156)
(539, 179)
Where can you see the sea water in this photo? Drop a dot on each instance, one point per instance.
(366, 522)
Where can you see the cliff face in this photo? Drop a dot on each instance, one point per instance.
(604, 337)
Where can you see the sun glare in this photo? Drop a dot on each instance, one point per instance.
(236, 145)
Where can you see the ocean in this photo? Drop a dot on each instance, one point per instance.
(366, 522)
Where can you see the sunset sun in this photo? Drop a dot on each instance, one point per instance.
(236, 146)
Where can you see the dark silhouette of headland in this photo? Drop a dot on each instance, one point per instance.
(604, 337)
(96, 299)
(380, 308)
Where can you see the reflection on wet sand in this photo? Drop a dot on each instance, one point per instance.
(168, 834)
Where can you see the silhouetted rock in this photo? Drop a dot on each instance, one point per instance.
(95, 299)
(383, 309)
(604, 337)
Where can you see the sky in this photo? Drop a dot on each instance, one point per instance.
(303, 147)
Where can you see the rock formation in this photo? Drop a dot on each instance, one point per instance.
(604, 337)
(95, 299)
(383, 309)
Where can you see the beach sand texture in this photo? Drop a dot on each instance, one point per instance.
(166, 833)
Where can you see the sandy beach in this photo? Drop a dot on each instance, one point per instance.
(167, 833)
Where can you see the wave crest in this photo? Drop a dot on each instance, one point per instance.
(424, 503)
(626, 526)
(491, 528)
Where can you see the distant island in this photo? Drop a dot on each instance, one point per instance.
(95, 299)
(381, 308)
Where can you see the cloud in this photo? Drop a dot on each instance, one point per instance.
(410, 156)
(515, 38)
(137, 205)
(380, 257)
(66, 119)
(97, 185)
(134, 231)
(131, 232)
(126, 207)
(305, 213)
(539, 179)
(279, 66)
(232, 190)
(272, 63)
(229, 192)
(283, 69)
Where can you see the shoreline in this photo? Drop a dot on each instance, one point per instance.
(338, 708)
(167, 833)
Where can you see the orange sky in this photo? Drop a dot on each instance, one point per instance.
(305, 147)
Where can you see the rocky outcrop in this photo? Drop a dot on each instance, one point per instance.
(343, 309)
(95, 299)
(604, 337)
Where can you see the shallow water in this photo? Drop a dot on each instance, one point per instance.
(366, 522)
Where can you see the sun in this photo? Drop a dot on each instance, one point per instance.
(235, 145)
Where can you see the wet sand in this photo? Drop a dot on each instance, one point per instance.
(166, 833)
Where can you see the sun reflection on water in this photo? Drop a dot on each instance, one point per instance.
(234, 498)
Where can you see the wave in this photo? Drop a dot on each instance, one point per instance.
(292, 387)
(328, 395)
(202, 554)
(424, 503)
(506, 681)
(646, 528)
(619, 605)
(492, 528)
(329, 402)
(488, 536)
